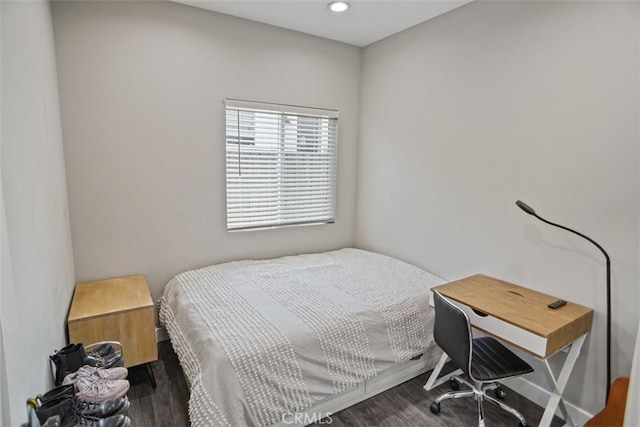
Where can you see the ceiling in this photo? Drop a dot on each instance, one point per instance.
(366, 22)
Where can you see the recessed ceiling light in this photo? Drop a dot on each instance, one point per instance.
(338, 6)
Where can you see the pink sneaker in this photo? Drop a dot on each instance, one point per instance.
(96, 391)
(94, 373)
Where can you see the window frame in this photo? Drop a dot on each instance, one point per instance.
(299, 133)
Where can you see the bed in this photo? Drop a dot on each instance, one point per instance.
(291, 340)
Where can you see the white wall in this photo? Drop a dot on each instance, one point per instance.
(142, 87)
(37, 262)
(499, 101)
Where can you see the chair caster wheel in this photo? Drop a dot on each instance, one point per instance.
(454, 384)
(435, 408)
(500, 393)
(522, 425)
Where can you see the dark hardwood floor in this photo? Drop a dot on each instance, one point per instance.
(165, 405)
(408, 405)
(404, 405)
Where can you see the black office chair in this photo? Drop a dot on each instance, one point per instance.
(484, 360)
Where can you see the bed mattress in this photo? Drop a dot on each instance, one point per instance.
(261, 339)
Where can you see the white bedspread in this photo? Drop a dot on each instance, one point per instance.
(259, 339)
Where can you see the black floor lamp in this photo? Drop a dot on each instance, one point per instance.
(528, 209)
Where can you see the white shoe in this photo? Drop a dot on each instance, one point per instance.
(91, 372)
(96, 391)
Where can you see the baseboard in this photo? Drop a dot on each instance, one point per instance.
(161, 334)
(540, 397)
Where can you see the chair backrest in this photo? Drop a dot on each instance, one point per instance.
(452, 332)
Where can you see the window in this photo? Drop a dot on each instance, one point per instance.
(281, 165)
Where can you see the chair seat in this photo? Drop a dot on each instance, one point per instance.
(493, 361)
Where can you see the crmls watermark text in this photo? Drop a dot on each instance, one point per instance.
(307, 418)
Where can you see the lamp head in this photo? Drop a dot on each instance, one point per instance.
(525, 207)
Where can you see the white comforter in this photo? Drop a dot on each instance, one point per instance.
(261, 339)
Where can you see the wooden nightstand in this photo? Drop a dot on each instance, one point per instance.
(118, 309)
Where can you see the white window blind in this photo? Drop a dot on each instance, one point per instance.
(281, 164)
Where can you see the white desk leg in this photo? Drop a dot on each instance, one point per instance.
(433, 380)
(559, 384)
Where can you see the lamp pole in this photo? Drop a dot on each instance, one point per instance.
(528, 209)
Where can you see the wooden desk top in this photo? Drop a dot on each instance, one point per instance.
(102, 297)
(521, 307)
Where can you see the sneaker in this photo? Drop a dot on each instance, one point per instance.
(54, 421)
(78, 420)
(65, 409)
(103, 350)
(113, 421)
(107, 374)
(96, 391)
(111, 360)
(103, 409)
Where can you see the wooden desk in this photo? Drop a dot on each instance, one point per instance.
(521, 317)
(118, 309)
